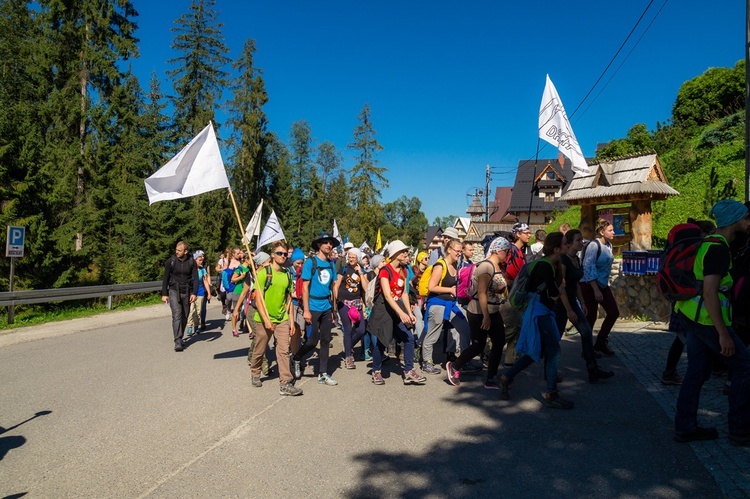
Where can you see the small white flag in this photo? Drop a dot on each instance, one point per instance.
(555, 128)
(271, 232)
(364, 247)
(253, 228)
(196, 169)
(336, 232)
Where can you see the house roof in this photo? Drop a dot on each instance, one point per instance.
(629, 176)
(432, 231)
(499, 207)
(462, 223)
(525, 176)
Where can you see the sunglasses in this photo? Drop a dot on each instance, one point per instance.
(280, 253)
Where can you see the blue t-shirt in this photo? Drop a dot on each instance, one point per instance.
(201, 287)
(320, 284)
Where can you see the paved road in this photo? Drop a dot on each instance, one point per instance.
(102, 407)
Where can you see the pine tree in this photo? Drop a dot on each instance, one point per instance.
(198, 79)
(301, 162)
(250, 170)
(367, 178)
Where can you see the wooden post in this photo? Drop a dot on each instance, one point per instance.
(588, 221)
(259, 297)
(641, 224)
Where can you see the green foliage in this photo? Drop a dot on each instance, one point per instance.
(716, 93)
(444, 222)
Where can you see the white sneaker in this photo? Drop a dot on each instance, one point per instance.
(326, 379)
(228, 316)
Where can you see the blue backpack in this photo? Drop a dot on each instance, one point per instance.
(226, 280)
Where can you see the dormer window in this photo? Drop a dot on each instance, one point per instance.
(550, 175)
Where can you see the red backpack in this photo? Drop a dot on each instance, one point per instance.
(676, 279)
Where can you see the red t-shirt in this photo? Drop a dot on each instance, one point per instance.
(397, 280)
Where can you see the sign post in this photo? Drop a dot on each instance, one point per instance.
(14, 242)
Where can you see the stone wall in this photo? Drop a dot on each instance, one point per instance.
(637, 296)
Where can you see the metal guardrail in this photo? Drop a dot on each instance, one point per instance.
(12, 298)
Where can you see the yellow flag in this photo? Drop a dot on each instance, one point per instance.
(378, 243)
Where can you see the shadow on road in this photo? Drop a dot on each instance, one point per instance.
(13, 442)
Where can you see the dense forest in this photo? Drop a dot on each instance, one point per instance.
(701, 147)
(79, 134)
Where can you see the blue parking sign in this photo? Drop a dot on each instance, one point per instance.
(14, 241)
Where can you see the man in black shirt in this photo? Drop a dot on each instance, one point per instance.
(179, 289)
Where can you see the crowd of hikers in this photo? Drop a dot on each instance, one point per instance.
(454, 310)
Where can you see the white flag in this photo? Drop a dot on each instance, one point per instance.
(555, 128)
(196, 169)
(271, 232)
(253, 228)
(364, 247)
(336, 232)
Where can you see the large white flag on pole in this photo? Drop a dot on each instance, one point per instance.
(555, 128)
(253, 228)
(271, 232)
(196, 169)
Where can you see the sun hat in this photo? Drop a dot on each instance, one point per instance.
(325, 238)
(728, 211)
(396, 247)
(197, 254)
(450, 232)
(348, 246)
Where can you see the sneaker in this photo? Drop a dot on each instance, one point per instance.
(700, 433)
(289, 390)
(412, 378)
(596, 374)
(377, 378)
(228, 316)
(256, 382)
(472, 367)
(178, 346)
(671, 378)
(367, 357)
(492, 384)
(296, 369)
(326, 379)
(454, 375)
(189, 332)
(429, 368)
(505, 388)
(349, 363)
(553, 400)
(235, 333)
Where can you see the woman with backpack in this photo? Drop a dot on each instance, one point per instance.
(597, 266)
(539, 335)
(348, 292)
(442, 306)
(391, 315)
(483, 313)
(568, 308)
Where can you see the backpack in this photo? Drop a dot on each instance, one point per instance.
(191, 266)
(519, 297)
(466, 289)
(226, 280)
(424, 281)
(586, 245)
(315, 269)
(676, 279)
(269, 277)
(373, 288)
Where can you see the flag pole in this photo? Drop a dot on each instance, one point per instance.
(531, 196)
(244, 239)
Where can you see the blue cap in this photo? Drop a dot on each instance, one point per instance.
(297, 254)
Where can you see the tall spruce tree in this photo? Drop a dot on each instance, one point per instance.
(198, 79)
(301, 161)
(367, 178)
(249, 167)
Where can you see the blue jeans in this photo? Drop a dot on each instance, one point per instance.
(583, 328)
(701, 342)
(402, 334)
(550, 352)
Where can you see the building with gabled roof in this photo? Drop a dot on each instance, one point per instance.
(540, 189)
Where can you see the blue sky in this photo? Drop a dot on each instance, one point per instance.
(455, 87)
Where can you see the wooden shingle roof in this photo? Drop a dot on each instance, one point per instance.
(624, 177)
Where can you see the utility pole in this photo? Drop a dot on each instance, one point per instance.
(487, 192)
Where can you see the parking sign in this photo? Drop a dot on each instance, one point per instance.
(14, 241)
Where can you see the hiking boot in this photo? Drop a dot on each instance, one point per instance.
(553, 400)
(472, 367)
(178, 346)
(700, 433)
(412, 378)
(505, 387)
(289, 390)
(349, 363)
(604, 348)
(256, 382)
(492, 384)
(454, 375)
(326, 379)
(596, 374)
(429, 368)
(671, 378)
(377, 378)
